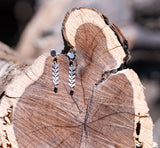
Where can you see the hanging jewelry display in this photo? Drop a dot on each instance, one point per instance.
(55, 70)
(72, 71)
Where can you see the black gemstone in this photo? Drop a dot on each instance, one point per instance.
(71, 63)
(55, 59)
(71, 92)
(53, 53)
(55, 89)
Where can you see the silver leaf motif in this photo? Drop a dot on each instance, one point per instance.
(72, 81)
(72, 77)
(55, 70)
(72, 68)
(71, 73)
(55, 73)
(72, 85)
(55, 66)
(55, 78)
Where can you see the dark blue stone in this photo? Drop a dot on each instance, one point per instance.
(53, 52)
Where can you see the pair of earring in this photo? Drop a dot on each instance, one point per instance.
(55, 71)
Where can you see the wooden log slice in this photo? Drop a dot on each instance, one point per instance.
(108, 107)
(10, 65)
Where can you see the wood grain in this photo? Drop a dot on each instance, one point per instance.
(108, 108)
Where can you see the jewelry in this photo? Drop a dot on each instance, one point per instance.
(55, 70)
(72, 72)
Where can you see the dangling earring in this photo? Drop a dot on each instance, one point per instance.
(55, 70)
(72, 69)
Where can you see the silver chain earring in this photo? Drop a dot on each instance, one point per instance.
(55, 70)
(72, 71)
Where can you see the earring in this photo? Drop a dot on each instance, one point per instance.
(55, 70)
(72, 69)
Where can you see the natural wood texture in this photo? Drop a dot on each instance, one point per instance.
(42, 32)
(10, 65)
(108, 108)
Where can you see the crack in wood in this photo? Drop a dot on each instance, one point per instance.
(81, 115)
(7, 119)
(1, 95)
(80, 141)
(80, 111)
(139, 144)
(75, 102)
(105, 75)
(83, 90)
(28, 76)
(138, 128)
(96, 131)
(10, 96)
(6, 143)
(108, 116)
(63, 140)
(88, 109)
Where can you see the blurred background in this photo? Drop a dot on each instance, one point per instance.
(32, 26)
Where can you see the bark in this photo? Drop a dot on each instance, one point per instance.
(108, 107)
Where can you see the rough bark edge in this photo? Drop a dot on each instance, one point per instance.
(11, 64)
(10, 100)
(118, 34)
(122, 45)
(7, 136)
(11, 96)
(140, 117)
(10, 72)
(123, 41)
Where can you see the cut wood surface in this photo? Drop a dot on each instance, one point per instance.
(42, 32)
(108, 108)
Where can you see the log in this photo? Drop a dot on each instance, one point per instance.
(108, 107)
(40, 34)
(11, 63)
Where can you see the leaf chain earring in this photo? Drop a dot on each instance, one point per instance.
(72, 69)
(55, 70)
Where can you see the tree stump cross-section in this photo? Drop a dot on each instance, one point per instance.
(108, 107)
